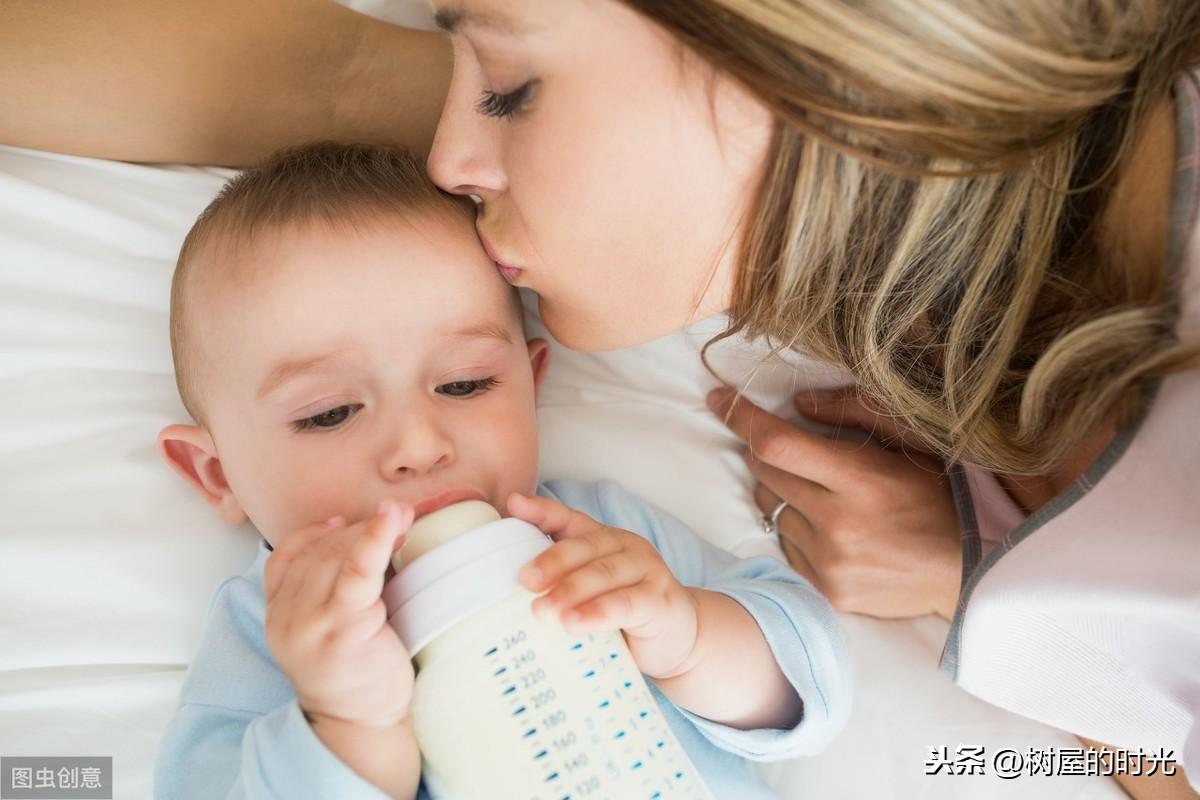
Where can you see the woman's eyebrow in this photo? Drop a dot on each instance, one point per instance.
(452, 19)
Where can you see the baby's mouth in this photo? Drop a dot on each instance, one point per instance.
(442, 499)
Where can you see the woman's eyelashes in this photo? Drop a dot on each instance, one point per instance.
(327, 420)
(494, 104)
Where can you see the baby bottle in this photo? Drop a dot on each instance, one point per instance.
(507, 705)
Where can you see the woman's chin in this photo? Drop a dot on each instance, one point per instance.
(593, 334)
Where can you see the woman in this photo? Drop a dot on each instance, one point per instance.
(973, 206)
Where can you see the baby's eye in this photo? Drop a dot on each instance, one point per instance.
(327, 419)
(468, 388)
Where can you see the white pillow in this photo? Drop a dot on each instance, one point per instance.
(110, 560)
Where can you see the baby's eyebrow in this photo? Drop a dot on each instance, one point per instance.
(486, 330)
(287, 370)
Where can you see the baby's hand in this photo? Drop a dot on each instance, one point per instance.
(326, 625)
(596, 577)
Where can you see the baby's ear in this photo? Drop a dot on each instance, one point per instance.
(191, 453)
(539, 359)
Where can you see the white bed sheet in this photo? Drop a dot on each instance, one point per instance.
(109, 560)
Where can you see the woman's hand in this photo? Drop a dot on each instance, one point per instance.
(596, 577)
(873, 524)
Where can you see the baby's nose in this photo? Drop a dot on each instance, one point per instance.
(419, 447)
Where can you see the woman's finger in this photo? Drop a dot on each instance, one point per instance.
(844, 408)
(591, 580)
(360, 576)
(798, 561)
(792, 522)
(566, 556)
(813, 499)
(781, 444)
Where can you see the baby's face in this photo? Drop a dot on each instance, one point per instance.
(360, 366)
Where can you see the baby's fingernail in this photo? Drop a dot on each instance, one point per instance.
(543, 609)
(518, 498)
(530, 576)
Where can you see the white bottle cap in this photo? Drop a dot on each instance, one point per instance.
(457, 570)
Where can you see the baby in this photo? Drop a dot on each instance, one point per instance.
(352, 360)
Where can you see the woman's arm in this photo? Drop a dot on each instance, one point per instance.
(213, 82)
(1158, 786)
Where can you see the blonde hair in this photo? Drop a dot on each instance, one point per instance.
(928, 218)
(340, 185)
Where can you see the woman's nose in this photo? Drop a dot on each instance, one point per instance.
(465, 158)
(418, 447)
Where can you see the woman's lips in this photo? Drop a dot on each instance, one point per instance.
(509, 273)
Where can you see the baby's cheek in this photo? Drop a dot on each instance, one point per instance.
(520, 468)
(524, 465)
(296, 505)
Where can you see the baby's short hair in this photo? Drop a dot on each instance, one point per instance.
(340, 185)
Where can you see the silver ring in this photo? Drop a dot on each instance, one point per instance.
(770, 522)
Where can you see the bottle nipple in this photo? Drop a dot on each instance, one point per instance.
(438, 527)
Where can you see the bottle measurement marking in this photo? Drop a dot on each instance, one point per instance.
(520, 663)
(515, 672)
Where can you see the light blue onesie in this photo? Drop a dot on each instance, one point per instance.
(239, 732)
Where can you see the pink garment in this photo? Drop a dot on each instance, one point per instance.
(996, 513)
(1086, 614)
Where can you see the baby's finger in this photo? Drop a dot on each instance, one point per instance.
(628, 608)
(555, 519)
(360, 576)
(285, 553)
(591, 580)
(564, 557)
(363, 625)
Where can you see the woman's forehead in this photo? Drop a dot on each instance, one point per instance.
(513, 18)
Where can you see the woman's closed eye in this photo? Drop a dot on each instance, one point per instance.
(327, 420)
(495, 104)
(468, 388)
